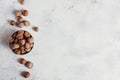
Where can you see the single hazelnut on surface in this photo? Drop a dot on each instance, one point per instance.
(22, 61)
(29, 65)
(26, 74)
(18, 13)
(19, 36)
(22, 2)
(16, 45)
(11, 40)
(20, 24)
(20, 19)
(25, 13)
(30, 40)
(17, 51)
(22, 42)
(12, 22)
(27, 35)
(26, 23)
(36, 29)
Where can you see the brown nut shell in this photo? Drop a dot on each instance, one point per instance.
(29, 65)
(26, 74)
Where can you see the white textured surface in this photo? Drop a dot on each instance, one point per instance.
(78, 40)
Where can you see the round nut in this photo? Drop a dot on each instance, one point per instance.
(27, 45)
(22, 61)
(18, 52)
(22, 2)
(16, 45)
(29, 65)
(25, 13)
(20, 24)
(22, 42)
(31, 45)
(12, 22)
(11, 40)
(36, 29)
(27, 35)
(27, 49)
(18, 13)
(30, 40)
(26, 23)
(20, 19)
(26, 74)
(21, 32)
(19, 36)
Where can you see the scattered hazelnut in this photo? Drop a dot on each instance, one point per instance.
(36, 29)
(25, 13)
(11, 40)
(18, 13)
(22, 2)
(12, 22)
(20, 19)
(27, 35)
(22, 61)
(26, 74)
(26, 23)
(22, 42)
(20, 24)
(29, 65)
(30, 40)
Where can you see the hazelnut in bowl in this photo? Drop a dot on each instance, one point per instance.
(21, 42)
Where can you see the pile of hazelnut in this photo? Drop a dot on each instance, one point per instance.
(21, 42)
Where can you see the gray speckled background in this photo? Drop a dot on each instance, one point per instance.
(78, 40)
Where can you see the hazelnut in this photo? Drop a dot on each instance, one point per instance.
(31, 44)
(20, 32)
(22, 2)
(18, 52)
(16, 45)
(22, 48)
(20, 24)
(26, 74)
(27, 45)
(12, 22)
(25, 13)
(36, 29)
(30, 40)
(23, 51)
(27, 34)
(22, 61)
(11, 40)
(19, 36)
(18, 13)
(26, 23)
(29, 65)
(22, 42)
(20, 19)
(27, 49)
